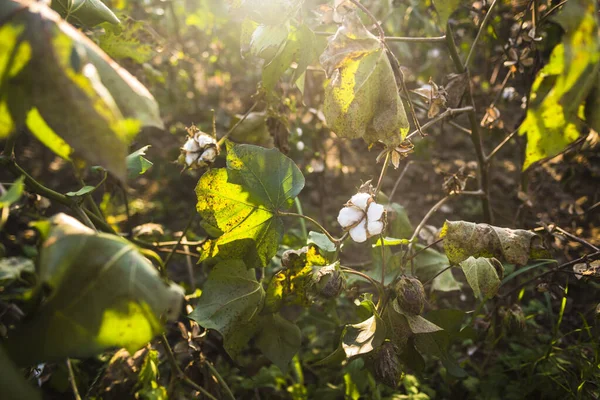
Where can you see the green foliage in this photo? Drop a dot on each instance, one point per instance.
(361, 97)
(13, 194)
(64, 70)
(122, 42)
(445, 8)
(563, 84)
(230, 303)
(85, 12)
(137, 164)
(240, 204)
(99, 287)
(12, 383)
(279, 340)
(148, 387)
(482, 276)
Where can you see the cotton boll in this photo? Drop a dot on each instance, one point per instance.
(191, 145)
(375, 212)
(190, 158)
(209, 155)
(349, 216)
(360, 200)
(374, 227)
(204, 140)
(359, 232)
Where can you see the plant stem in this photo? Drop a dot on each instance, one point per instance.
(178, 372)
(401, 39)
(438, 274)
(234, 127)
(382, 260)
(497, 149)
(482, 177)
(72, 380)
(393, 192)
(302, 223)
(335, 241)
(481, 27)
(364, 276)
(370, 15)
(187, 227)
(448, 113)
(382, 174)
(220, 379)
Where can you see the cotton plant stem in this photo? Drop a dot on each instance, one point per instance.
(178, 372)
(382, 174)
(187, 227)
(72, 380)
(479, 31)
(448, 113)
(234, 127)
(224, 385)
(373, 282)
(482, 177)
(400, 39)
(335, 241)
(393, 192)
(500, 146)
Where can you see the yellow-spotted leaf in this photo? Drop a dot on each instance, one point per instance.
(239, 204)
(563, 84)
(361, 96)
(102, 293)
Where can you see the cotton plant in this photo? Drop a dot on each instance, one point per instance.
(200, 150)
(362, 217)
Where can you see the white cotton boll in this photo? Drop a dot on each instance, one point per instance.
(349, 216)
(360, 200)
(204, 140)
(191, 145)
(190, 158)
(375, 212)
(359, 232)
(375, 227)
(209, 155)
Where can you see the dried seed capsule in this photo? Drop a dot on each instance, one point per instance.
(410, 295)
(513, 319)
(387, 365)
(329, 281)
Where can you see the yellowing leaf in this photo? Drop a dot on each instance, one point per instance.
(561, 86)
(361, 96)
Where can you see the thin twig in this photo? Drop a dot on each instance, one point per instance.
(382, 174)
(403, 39)
(438, 274)
(364, 276)
(234, 127)
(481, 27)
(393, 192)
(72, 380)
(448, 113)
(178, 372)
(187, 227)
(370, 15)
(497, 149)
(575, 238)
(335, 241)
(214, 371)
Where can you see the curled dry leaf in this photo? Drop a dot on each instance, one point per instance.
(465, 239)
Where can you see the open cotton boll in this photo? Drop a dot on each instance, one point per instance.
(374, 227)
(361, 200)
(204, 140)
(191, 145)
(375, 212)
(359, 232)
(209, 155)
(349, 216)
(190, 158)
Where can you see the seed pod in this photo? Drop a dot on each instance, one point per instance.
(513, 319)
(200, 150)
(410, 295)
(387, 365)
(329, 281)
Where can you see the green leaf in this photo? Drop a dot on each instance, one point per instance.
(85, 12)
(122, 41)
(428, 263)
(137, 164)
(482, 276)
(321, 241)
(465, 239)
(69, 93)
(389, 241)
(230, 303)
(102, 293)
(13, 194)
(398, 221)
(562, 85)
(240, 204)
(416, 323)
(279, 340)
(81, 192)
(12, 383)
(268, 40)
(15, 53)
(361, 96)
(398, 330)
(445, 8)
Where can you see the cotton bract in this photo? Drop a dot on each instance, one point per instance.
(362, 217)
(200, 150)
